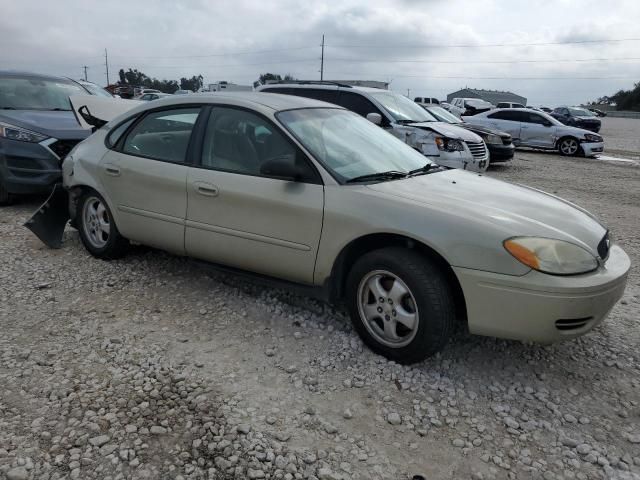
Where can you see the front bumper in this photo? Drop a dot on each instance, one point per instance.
(500, 152)
(28, 168)
(590, 149)
(542, 308)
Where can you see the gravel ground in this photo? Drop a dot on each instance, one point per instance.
(621, 136)
(154, 367)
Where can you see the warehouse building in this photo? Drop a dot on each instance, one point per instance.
(492, 96)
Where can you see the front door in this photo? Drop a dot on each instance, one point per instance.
(242, 217)
(145, 177)
(535, 131)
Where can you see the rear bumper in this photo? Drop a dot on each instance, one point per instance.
(500, 153)
(27, 168)
(591, 149)
(542, 308)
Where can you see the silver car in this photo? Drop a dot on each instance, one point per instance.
(540, 130)
(313, 194)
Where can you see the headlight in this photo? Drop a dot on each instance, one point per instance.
(493, 139)
(547, 255)
(449, 144)
(20, 134)
(592, 138)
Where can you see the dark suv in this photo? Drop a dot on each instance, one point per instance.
(577, 117)
(37, 130)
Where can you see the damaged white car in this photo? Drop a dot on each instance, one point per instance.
(312, 194)
(447, 145)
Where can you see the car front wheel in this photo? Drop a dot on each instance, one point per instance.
(97, 228)
(401, 304)
(568, 146)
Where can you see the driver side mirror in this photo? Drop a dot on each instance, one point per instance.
(282, 168)
(375, 118)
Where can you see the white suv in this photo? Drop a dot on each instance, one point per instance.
(469, 106)
(447, 145)
(428, 101)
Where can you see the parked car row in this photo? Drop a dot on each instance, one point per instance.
(447, 144)
(351, 212)
(311, 193)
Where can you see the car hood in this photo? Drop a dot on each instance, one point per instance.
(448, 130)
(484, 130)
(56, 124)
(506, 209)
(587, 119)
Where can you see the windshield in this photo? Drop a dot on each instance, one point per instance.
(477, 104)
(442, 115)
(349, 145)
(96, 90)
(401, 108)
(581, 112)
(32, 93)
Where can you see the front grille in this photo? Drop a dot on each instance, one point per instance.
(604, 246)
(478, 149)
(62, 147)
(572, 323)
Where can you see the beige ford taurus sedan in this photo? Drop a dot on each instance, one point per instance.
(310, 193)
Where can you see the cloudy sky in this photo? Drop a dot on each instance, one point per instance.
(552, 52)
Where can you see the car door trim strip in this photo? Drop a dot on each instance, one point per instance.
(154, 215)
(248, 236)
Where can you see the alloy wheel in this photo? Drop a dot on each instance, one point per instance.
(96, 222)
(388, 309)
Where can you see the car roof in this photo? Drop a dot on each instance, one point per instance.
(323, 86)
(257, 100)
(18, 73)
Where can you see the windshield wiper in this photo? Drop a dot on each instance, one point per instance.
(419, 171)
(404, 122)
(58, 109)
(390, 175)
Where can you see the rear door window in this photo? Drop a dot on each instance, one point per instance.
(358, 104)
(509, 115)
(162, 135)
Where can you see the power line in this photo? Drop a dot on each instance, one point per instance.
(491, 78)
(488, 45)
(217, 66)
(255, 52)
(567, 60)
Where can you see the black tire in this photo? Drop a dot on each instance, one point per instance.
(115, 245)
(565, 151)
(5, 197)
(426, 283)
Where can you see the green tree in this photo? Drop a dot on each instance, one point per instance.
(194, 83)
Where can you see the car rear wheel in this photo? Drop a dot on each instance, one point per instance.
(568, 146)
(97, 228)
(401, 304)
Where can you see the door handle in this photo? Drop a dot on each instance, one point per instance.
(112, 170)
(206, 189)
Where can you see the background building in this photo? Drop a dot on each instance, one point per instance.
(229, 87)
(492, 96)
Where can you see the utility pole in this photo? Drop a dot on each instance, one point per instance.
(322, 60)
(106, 64)
(408, 93)
(85, 73)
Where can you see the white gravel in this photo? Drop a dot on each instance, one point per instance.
(153, 367)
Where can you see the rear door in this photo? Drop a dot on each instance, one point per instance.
(239, 216)
(506, 120)
(145, 177)
(536, 131)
